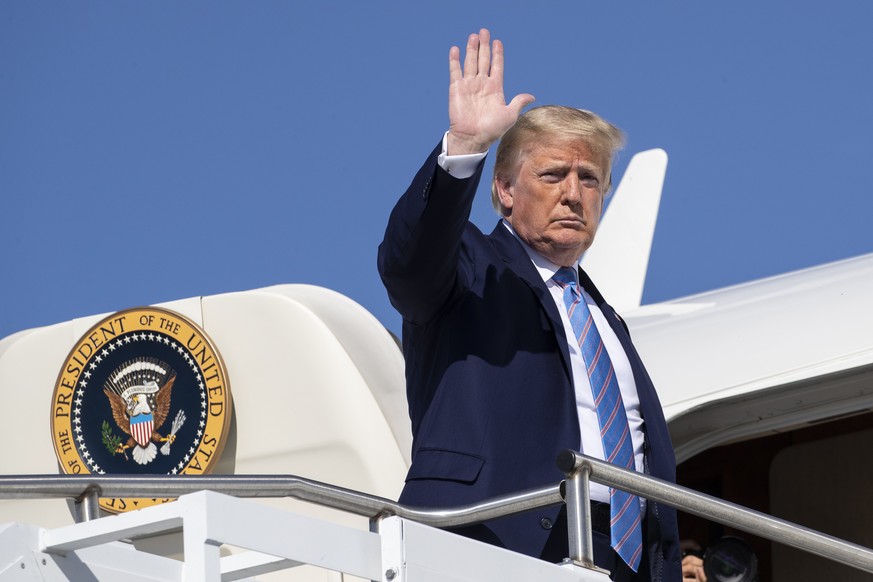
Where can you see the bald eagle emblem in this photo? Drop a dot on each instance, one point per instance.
(139, 393)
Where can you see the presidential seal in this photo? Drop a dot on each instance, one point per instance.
(143, 391)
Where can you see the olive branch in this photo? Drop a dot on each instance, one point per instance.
(110, 440)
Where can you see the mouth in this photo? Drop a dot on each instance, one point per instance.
(570, 222)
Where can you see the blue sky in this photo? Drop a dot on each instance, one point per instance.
(152, 151)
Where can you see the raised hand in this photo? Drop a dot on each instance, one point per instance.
(478, 112)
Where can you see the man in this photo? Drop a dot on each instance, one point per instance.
(499, 370)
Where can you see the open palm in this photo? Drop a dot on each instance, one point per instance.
(478, 112)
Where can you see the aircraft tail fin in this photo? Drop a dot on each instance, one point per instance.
(619, 258)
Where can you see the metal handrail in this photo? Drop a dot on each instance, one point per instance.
(87, 488)
(580, 468)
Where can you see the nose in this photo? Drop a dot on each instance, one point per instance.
(572, 191)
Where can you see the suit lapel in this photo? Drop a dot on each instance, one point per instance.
(514, 255)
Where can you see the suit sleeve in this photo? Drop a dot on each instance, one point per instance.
(419, 255)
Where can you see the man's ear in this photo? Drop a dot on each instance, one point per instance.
(504, 192)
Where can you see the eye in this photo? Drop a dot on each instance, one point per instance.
(551, 176)
(589, 180)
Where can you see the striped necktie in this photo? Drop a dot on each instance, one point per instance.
(625, 513)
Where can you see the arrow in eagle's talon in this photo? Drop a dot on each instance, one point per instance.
(177, 424)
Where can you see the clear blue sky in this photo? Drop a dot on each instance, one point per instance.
(152, 151)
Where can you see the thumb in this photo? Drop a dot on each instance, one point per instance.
(520, 101)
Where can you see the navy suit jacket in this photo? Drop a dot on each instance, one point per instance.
(488, 376)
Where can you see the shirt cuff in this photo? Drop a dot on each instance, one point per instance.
(462, 166)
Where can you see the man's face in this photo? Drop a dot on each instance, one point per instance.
(555, 198)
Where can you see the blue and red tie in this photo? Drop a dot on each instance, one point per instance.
(624, 508)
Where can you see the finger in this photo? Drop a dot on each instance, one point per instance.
(484, 52)
(519, 102)
(497, 62)
(472, 56)
(455, 73)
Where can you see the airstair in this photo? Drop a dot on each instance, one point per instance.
(403, 544)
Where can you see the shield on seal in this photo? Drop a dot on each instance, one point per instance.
(141, 428)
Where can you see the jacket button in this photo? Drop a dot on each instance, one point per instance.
(546, 523)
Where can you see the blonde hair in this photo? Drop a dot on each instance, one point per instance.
(558, 121)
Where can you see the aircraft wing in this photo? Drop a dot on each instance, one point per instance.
(768, 355)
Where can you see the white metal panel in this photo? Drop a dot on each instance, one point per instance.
(374, 352)
(427, 554)
(22, 559)
(760, 334)
(301, 404)
(402, 551)
(773, 353)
